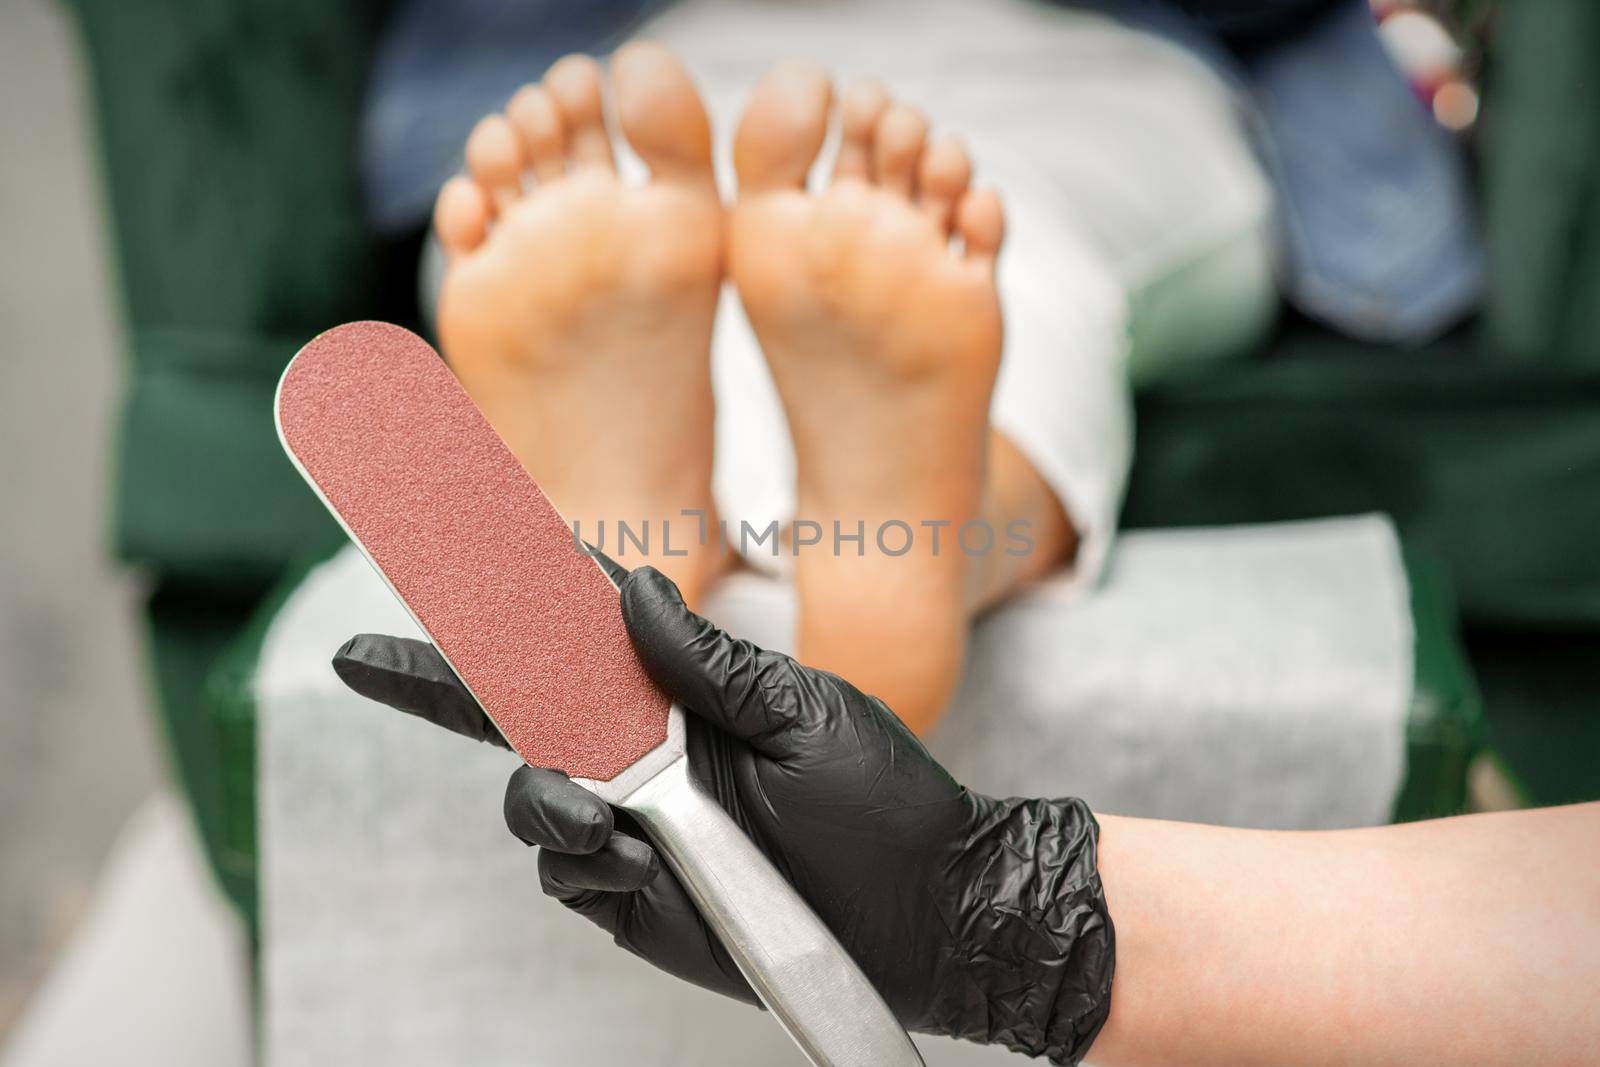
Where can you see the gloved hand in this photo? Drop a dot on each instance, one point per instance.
(975, 917)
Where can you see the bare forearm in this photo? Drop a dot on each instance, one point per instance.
(1461, 941)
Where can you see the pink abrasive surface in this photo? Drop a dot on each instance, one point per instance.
(472, 545)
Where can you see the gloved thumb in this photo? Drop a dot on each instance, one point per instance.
(753, 694)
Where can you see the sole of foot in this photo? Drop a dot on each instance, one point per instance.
(875, 304)
(577, 308)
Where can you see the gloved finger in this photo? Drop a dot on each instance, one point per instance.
(546, 808)
(413, 677)
(622, 865)
(614, 570)
(751, 693)
(658, 923)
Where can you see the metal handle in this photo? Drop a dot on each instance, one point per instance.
(794, 964)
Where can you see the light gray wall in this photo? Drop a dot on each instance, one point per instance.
(77, 748)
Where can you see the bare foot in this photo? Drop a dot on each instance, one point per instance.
(577, 309)
(875, 304)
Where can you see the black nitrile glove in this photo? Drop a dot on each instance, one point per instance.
(975, 917)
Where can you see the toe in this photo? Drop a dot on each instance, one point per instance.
(783, 127)
(537, 121)
(981, 224)
(942, 179)
(660, 112)
(494, 159)
(864, 104)
(461, 216)
(574, 85)
(897, 147)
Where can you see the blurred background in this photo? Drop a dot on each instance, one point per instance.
(181, 207)
(77, 749)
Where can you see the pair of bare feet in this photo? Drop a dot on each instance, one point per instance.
(577, 310)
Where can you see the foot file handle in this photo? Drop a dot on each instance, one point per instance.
(794, 964)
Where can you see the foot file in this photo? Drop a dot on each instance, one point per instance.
(396, 449)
